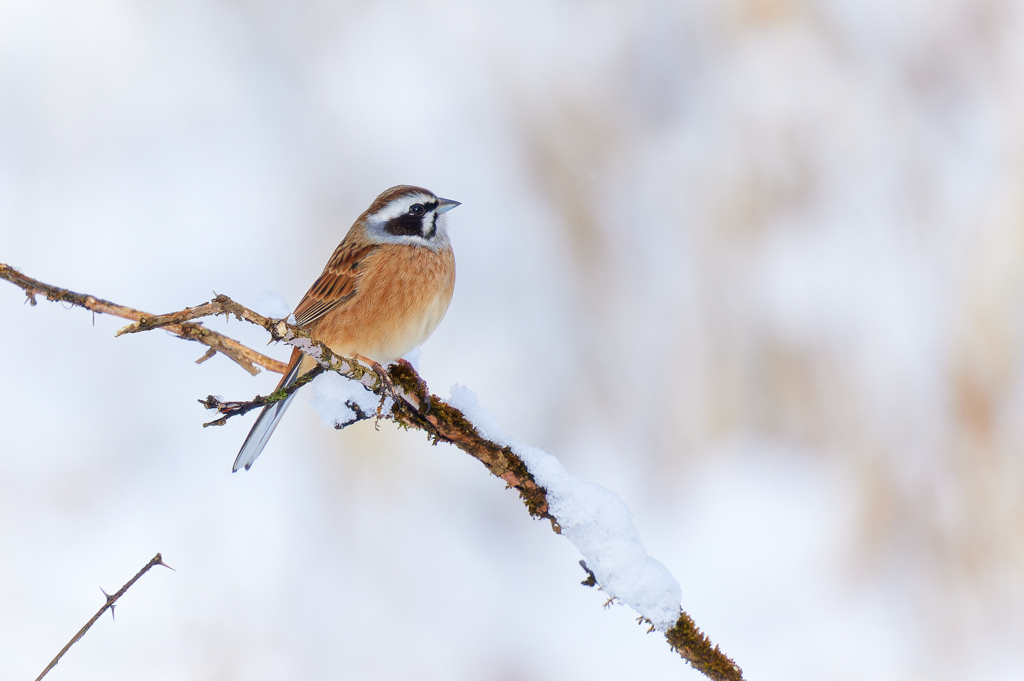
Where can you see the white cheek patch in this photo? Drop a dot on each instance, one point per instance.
(442, 222)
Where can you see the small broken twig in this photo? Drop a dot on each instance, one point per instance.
(591, 579)
(229, 409)
(111, 599)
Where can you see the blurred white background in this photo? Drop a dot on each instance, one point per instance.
(756, 265)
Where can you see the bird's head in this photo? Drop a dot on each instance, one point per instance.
(409, 215)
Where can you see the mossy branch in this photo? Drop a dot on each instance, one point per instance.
(412, 407)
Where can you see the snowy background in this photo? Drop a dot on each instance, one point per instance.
(755, 265)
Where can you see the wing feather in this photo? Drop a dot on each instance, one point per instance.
(336, 285)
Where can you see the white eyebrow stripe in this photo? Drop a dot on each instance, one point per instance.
(400, 206)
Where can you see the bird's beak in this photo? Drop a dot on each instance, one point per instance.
(445, 205)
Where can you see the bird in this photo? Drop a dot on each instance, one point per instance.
(384, 290)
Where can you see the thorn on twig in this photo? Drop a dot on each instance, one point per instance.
(159, 560)
(110, 603)
(591, 580)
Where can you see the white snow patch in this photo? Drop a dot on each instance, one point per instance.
(307, 346)
(272, 305)
(593, 518)
(331, 392)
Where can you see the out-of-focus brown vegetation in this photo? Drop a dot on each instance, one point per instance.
(815, 210)
(709, 227)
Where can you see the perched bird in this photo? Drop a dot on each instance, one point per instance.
(383, 292)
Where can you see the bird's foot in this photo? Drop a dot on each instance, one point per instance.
(387, 386)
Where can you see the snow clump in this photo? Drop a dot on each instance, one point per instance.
(593, 518)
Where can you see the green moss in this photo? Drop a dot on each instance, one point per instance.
(501, 460)
(687, 640)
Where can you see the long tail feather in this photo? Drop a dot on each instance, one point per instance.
(268, 418)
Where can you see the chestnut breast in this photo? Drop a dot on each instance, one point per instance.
(403, 294)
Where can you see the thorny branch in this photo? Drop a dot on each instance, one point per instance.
(111, 600)
(441, 422)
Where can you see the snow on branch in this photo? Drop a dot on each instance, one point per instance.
(593, 518)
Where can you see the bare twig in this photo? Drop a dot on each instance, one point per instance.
(413, 407)
(229, 409)
(245, 357)
(111, 600)
(221, 305)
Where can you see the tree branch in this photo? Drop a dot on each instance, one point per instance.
(444, 423)
(245, 357)
(111, 600)
(439, 420)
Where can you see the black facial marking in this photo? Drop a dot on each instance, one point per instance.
(432, 230)
(415, 221)
(404, 225)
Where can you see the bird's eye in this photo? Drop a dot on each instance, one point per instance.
(416, 209)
